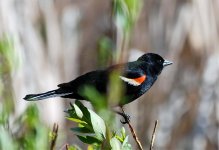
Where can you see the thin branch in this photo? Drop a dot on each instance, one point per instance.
(54, 136)
(153, 135)
(67, 147)
(132, 131)
(64, 147)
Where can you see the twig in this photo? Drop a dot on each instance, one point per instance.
(132, 131)
(153, 135)
(54, 136)
(64, 147)
(67, 147)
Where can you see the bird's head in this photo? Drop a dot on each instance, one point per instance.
(155, 62)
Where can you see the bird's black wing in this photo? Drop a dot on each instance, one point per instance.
(97, 79)
(132, 74)
(136, 80)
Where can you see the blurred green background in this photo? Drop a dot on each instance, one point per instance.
(46, 42)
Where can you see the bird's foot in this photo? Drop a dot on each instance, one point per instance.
(125, 116)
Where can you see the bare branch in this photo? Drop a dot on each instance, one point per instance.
(132, 131)
(153, 135)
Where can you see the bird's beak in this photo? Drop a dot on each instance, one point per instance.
(166, 63)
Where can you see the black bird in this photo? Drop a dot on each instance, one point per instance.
(137, 78)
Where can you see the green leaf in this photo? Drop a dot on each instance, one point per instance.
(73, 147)
(88, 123)
(78, 111)
(86, 114)
(71, 113)
(115, 144)
(123, 133)
(126, 145)
(89, 139)
(98, 125)
(76, 120)
(81, 130)
(119, 138)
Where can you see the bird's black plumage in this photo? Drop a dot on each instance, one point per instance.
(137, 77)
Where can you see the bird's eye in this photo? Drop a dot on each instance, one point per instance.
(160, 61)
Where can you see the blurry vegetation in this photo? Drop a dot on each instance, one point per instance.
(105, 52)
(126, 13)
(124, 16)
(6, 67)
(25, 131)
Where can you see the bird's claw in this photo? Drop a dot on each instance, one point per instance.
(126, 118)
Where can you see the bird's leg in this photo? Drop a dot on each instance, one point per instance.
(124, 115)
(126, 118)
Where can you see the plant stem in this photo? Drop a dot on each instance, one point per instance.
(153, 135)
(54, 136)
(134, 135)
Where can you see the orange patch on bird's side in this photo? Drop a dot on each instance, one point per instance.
(140, 79)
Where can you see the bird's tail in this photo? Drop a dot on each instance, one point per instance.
(49, 94)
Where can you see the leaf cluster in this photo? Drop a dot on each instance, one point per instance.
(92, 129)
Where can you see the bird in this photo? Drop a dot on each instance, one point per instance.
(137, 77)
